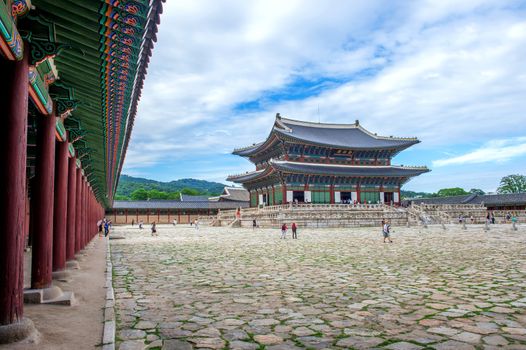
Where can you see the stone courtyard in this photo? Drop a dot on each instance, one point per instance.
(225, 288)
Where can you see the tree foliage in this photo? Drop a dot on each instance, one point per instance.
(139, 195)
(477, 191)
(454, 191)
(512, 184)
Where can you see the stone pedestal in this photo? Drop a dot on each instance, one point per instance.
(51, 295)
(22, 331)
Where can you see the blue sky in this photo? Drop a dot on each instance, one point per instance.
(451, 73)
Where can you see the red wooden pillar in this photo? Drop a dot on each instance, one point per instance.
(158, 215)
(42, 257)
(72, 195)
(78, 215)
(136, 216)
(13, 148)
(126, 213)
(283, 194)
(81, 209)
(358, 195)
(60, 207)
(84, 213)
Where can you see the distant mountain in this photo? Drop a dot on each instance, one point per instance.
(128, 184)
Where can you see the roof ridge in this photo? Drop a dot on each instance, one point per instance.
(276, 161)
(355, 125)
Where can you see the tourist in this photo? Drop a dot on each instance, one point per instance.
(386, 232)
(254, 224)
(196, 223)
(133, 222)
(492, 218)
(294, 231)
(106, 228)
(508, 216)
(284, 229)
(175, 222)
(140, 224)
(99, 225)
(154, 229)
(472, 219)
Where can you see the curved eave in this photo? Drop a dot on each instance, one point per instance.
(106, 73)
(249, 176)
(347, 170)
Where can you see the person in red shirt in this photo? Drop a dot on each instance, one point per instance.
(294, 231)
(284, 229)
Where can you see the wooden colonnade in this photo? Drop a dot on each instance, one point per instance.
(64, 209)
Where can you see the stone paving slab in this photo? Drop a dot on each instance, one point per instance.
(224, 288)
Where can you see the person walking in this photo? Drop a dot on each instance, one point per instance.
(284, 229)
(99, 225)
(254, 224)
(154, 229)
(133, 222)
(294, 231)
(175, 222)
(106, 228)
(196, 223)
(386, 232)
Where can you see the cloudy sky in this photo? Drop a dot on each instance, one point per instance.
(452, 73)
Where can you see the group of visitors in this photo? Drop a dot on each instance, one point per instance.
(104, 224)
(285, 228)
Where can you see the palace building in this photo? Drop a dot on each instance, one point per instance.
(309, 162)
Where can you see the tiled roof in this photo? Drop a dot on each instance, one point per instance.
(187, 198)
(346, 170)
(169, 204)
(235, 194)
(487, 199)
(350, 136)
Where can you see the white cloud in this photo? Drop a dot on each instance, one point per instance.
(446, 71)
(493, 151)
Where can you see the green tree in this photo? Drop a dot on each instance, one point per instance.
(477, 191)
(174, 196)
(454, 191)
(139, 195)
(119, 197)
(190, 191)
(512, 184)
(156, 194)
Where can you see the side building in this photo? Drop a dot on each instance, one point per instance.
(165, 211)
(308, 162)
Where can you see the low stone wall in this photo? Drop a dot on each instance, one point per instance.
(341, 215)
(448, 213)
(314, 216)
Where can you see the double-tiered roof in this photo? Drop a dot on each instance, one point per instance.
(345, 138)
